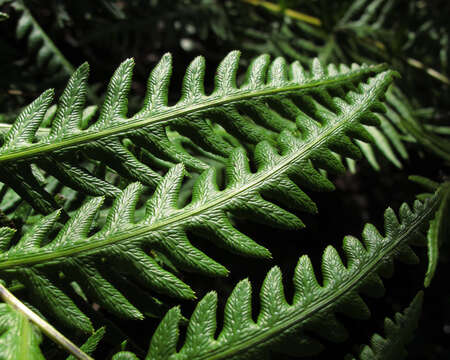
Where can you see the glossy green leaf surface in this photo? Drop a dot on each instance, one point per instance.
(124, 242)
(268, 101)
(280, 325)
(358, 31)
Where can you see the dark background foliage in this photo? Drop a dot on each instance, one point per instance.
(106, 32)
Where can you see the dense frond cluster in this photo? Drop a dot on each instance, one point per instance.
(360, 34)
(164, 225)
(113, 214)
(258, 110)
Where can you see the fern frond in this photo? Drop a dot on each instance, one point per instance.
(48, 53)
(265, 104)
(124, 241)
(439, 230)
(366, 17)
(19, 338)
(281, 326)
(401, 113)
(428, 184)
(398, 334)
(90, 345)
(125, 355)
(361, 30)
(21, 328)
(437, 233)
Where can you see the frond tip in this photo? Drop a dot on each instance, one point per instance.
(398, 334)
(281, 326)
(267, 103)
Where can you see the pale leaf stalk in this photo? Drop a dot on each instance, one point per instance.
(44, 326)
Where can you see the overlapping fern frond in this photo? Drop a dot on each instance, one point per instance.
(398, 334)
(265, 104)
(296, 327)
(125, 241)
(105, 211)
(439, 230)
(359, 32)
(48, 54)
(20, 338)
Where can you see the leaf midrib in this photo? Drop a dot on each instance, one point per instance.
(347, 286)
(34, 150)
(49, 255)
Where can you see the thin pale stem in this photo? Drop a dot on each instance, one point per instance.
(44, 326)
(289, 12)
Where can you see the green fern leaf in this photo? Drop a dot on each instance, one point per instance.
(48, 54)
(426, 183)
(360, 30)
(19, 338)
(91, 343)
(280, 326)
(398, 335)
(125, 355)
(404, 118)
(437, 233)
(374, 14)
(266, 103)
(439, 230)
(123, 242)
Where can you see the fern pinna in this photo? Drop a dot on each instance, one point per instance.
(18, 336)
(266, 103)
(296, 327)
(398, 334)
(21, 337)
(36, 260)
(48, 53)
(358, 31)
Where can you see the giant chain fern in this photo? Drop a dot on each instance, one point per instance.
(295, 327)
(123, 240)
(265, 104)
